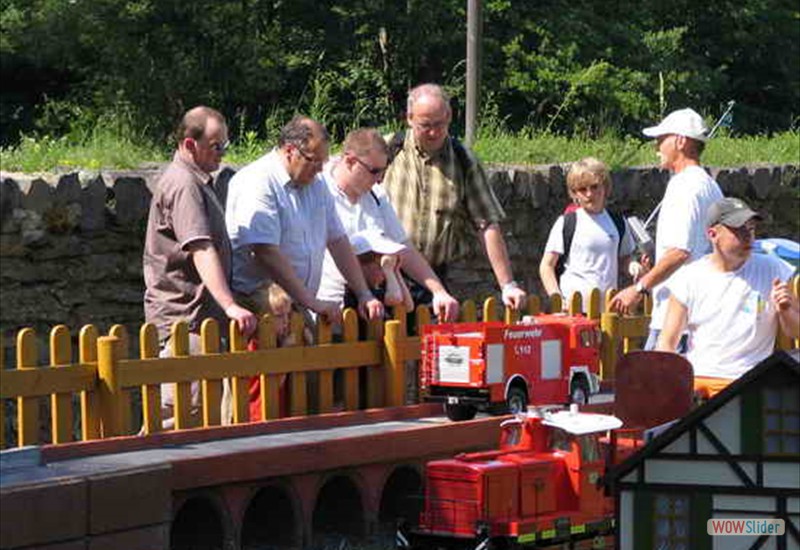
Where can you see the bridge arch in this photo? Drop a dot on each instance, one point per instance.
(401, 496)
(272, 518)
(339, 507)
(201, 522)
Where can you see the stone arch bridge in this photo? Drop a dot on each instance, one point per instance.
(312, 482)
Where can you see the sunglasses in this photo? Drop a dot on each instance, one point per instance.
(371, 169)
(220, 147)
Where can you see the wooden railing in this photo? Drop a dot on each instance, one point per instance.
(101, 386)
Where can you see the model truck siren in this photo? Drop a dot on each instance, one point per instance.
(543, 486)
(493, 366)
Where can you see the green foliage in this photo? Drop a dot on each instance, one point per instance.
(107, 147)
(110, 142)
(617, 152)
(572, 67)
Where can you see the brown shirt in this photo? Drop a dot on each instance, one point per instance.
(184, 210)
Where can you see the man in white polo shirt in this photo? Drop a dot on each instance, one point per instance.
(362, 205)
(731, 301)
(281, 219)
(680, 233)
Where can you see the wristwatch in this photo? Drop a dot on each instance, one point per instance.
(640, 288)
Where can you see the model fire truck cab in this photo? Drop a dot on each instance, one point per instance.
(541, 487)
(546, 359)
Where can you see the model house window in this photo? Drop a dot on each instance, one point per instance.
(671, 520)
(781, 421)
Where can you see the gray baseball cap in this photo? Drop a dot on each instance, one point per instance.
(730, 211)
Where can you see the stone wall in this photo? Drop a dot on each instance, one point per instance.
(71, 245)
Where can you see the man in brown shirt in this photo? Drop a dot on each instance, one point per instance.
(187, 255)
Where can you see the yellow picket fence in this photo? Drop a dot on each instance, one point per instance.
(101, 384)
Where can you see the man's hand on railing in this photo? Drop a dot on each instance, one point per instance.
(513, 296)
(445, 307)
(328, 310)
(370, 308)
(245, 319)
(625, 301)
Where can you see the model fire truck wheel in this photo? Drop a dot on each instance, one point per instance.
(517, 400)
(457, 413)
(579, 391)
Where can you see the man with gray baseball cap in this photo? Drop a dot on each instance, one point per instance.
(732, 301)
(680, 231)
(731, 212)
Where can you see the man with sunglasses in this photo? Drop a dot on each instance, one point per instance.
(281, 219)
(440, 192)
(680, 231)
(187, 255)
(362, 205)
(732, 301)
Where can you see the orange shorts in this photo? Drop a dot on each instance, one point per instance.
(707, 387)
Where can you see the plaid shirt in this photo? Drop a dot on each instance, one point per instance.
(437, 199)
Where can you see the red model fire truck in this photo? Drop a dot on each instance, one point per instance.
(494, 366)
(540, 488)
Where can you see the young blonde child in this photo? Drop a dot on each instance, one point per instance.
(590, 246)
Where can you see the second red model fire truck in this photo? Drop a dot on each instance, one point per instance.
(542, 487)
(498, 367)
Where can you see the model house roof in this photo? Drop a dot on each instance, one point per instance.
(780, 360)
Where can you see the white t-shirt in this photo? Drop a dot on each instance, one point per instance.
(265, 207)
(682, 224)
(731, 321)
(372, 211)
(593, 260)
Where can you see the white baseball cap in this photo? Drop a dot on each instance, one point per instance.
(683, 122)
(371, 240)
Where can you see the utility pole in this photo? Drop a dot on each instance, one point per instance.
(474, 26)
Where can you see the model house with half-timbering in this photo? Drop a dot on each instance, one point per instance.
(735, 456)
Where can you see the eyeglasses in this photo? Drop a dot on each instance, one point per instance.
(430, 126)
(308, 157)
(594, 187)
(372, 170)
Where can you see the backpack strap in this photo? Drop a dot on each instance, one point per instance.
(619, 223)
(567, 233)
(461, 155)
(396, 144)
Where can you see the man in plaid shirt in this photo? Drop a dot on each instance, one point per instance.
(439, 189)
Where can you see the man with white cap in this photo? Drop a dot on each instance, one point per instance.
(362, 205)
(680, 233)
(731, 301)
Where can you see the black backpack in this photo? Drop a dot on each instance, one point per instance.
(570, 219)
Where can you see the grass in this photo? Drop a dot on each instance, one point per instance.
(102, 146)
(618, 152)
(115, 147)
